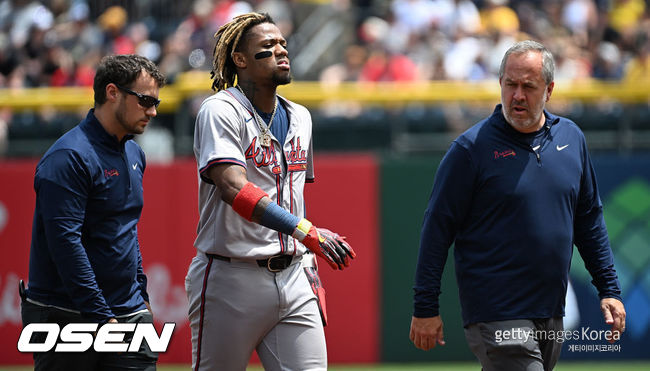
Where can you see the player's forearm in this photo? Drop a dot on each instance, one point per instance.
(254, 205)
(328, 245)
(250, 201)
(229, 179)
(260, 208)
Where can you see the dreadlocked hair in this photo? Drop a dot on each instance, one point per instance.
(227, 38)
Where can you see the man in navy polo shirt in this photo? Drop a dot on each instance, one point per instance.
(85, 263)
(514, 193)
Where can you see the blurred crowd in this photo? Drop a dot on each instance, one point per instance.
(465, 40)
(59, 42)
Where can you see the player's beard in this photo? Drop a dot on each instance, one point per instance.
(281, 78)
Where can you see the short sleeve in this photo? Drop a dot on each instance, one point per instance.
(218, 135)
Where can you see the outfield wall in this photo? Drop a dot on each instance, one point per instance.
(343, 198)
(378, 203)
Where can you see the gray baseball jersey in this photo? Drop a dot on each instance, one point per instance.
(236, 305)
(226, 132)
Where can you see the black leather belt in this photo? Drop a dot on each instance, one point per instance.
(273, 264)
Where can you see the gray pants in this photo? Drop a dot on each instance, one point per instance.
(516, 344)
(238, 307)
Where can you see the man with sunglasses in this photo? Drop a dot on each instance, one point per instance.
(85, 263)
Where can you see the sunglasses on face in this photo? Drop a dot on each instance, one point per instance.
(145, 101)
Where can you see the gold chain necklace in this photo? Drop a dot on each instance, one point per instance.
(265, 136)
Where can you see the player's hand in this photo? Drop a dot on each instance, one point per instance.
(614, 314)
(329, 246)
(340, 243)
(426, 333)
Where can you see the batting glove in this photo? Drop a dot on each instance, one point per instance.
(339, 243)
(328, 245)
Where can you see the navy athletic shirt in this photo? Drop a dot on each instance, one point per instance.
(514, 204)
(280, 126)
(85, 255)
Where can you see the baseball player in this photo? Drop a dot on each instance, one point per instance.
(252, 285)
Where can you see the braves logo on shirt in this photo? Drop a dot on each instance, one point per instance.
(261, 156)
(111, 173)
(504, 154)
(265, 156)
(297, 157)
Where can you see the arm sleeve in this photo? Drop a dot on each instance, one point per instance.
(217, 137)
(590, 235)
(449, 202)
(63, 184)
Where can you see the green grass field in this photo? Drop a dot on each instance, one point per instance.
(562, 366)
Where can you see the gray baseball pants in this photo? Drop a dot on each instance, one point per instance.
(237, 307)
(520, 344)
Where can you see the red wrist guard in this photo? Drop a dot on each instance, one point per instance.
(245, 201)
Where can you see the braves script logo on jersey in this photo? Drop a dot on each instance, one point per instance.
(297, 157)
(265, 156)
(261, 156)
(504, 154)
